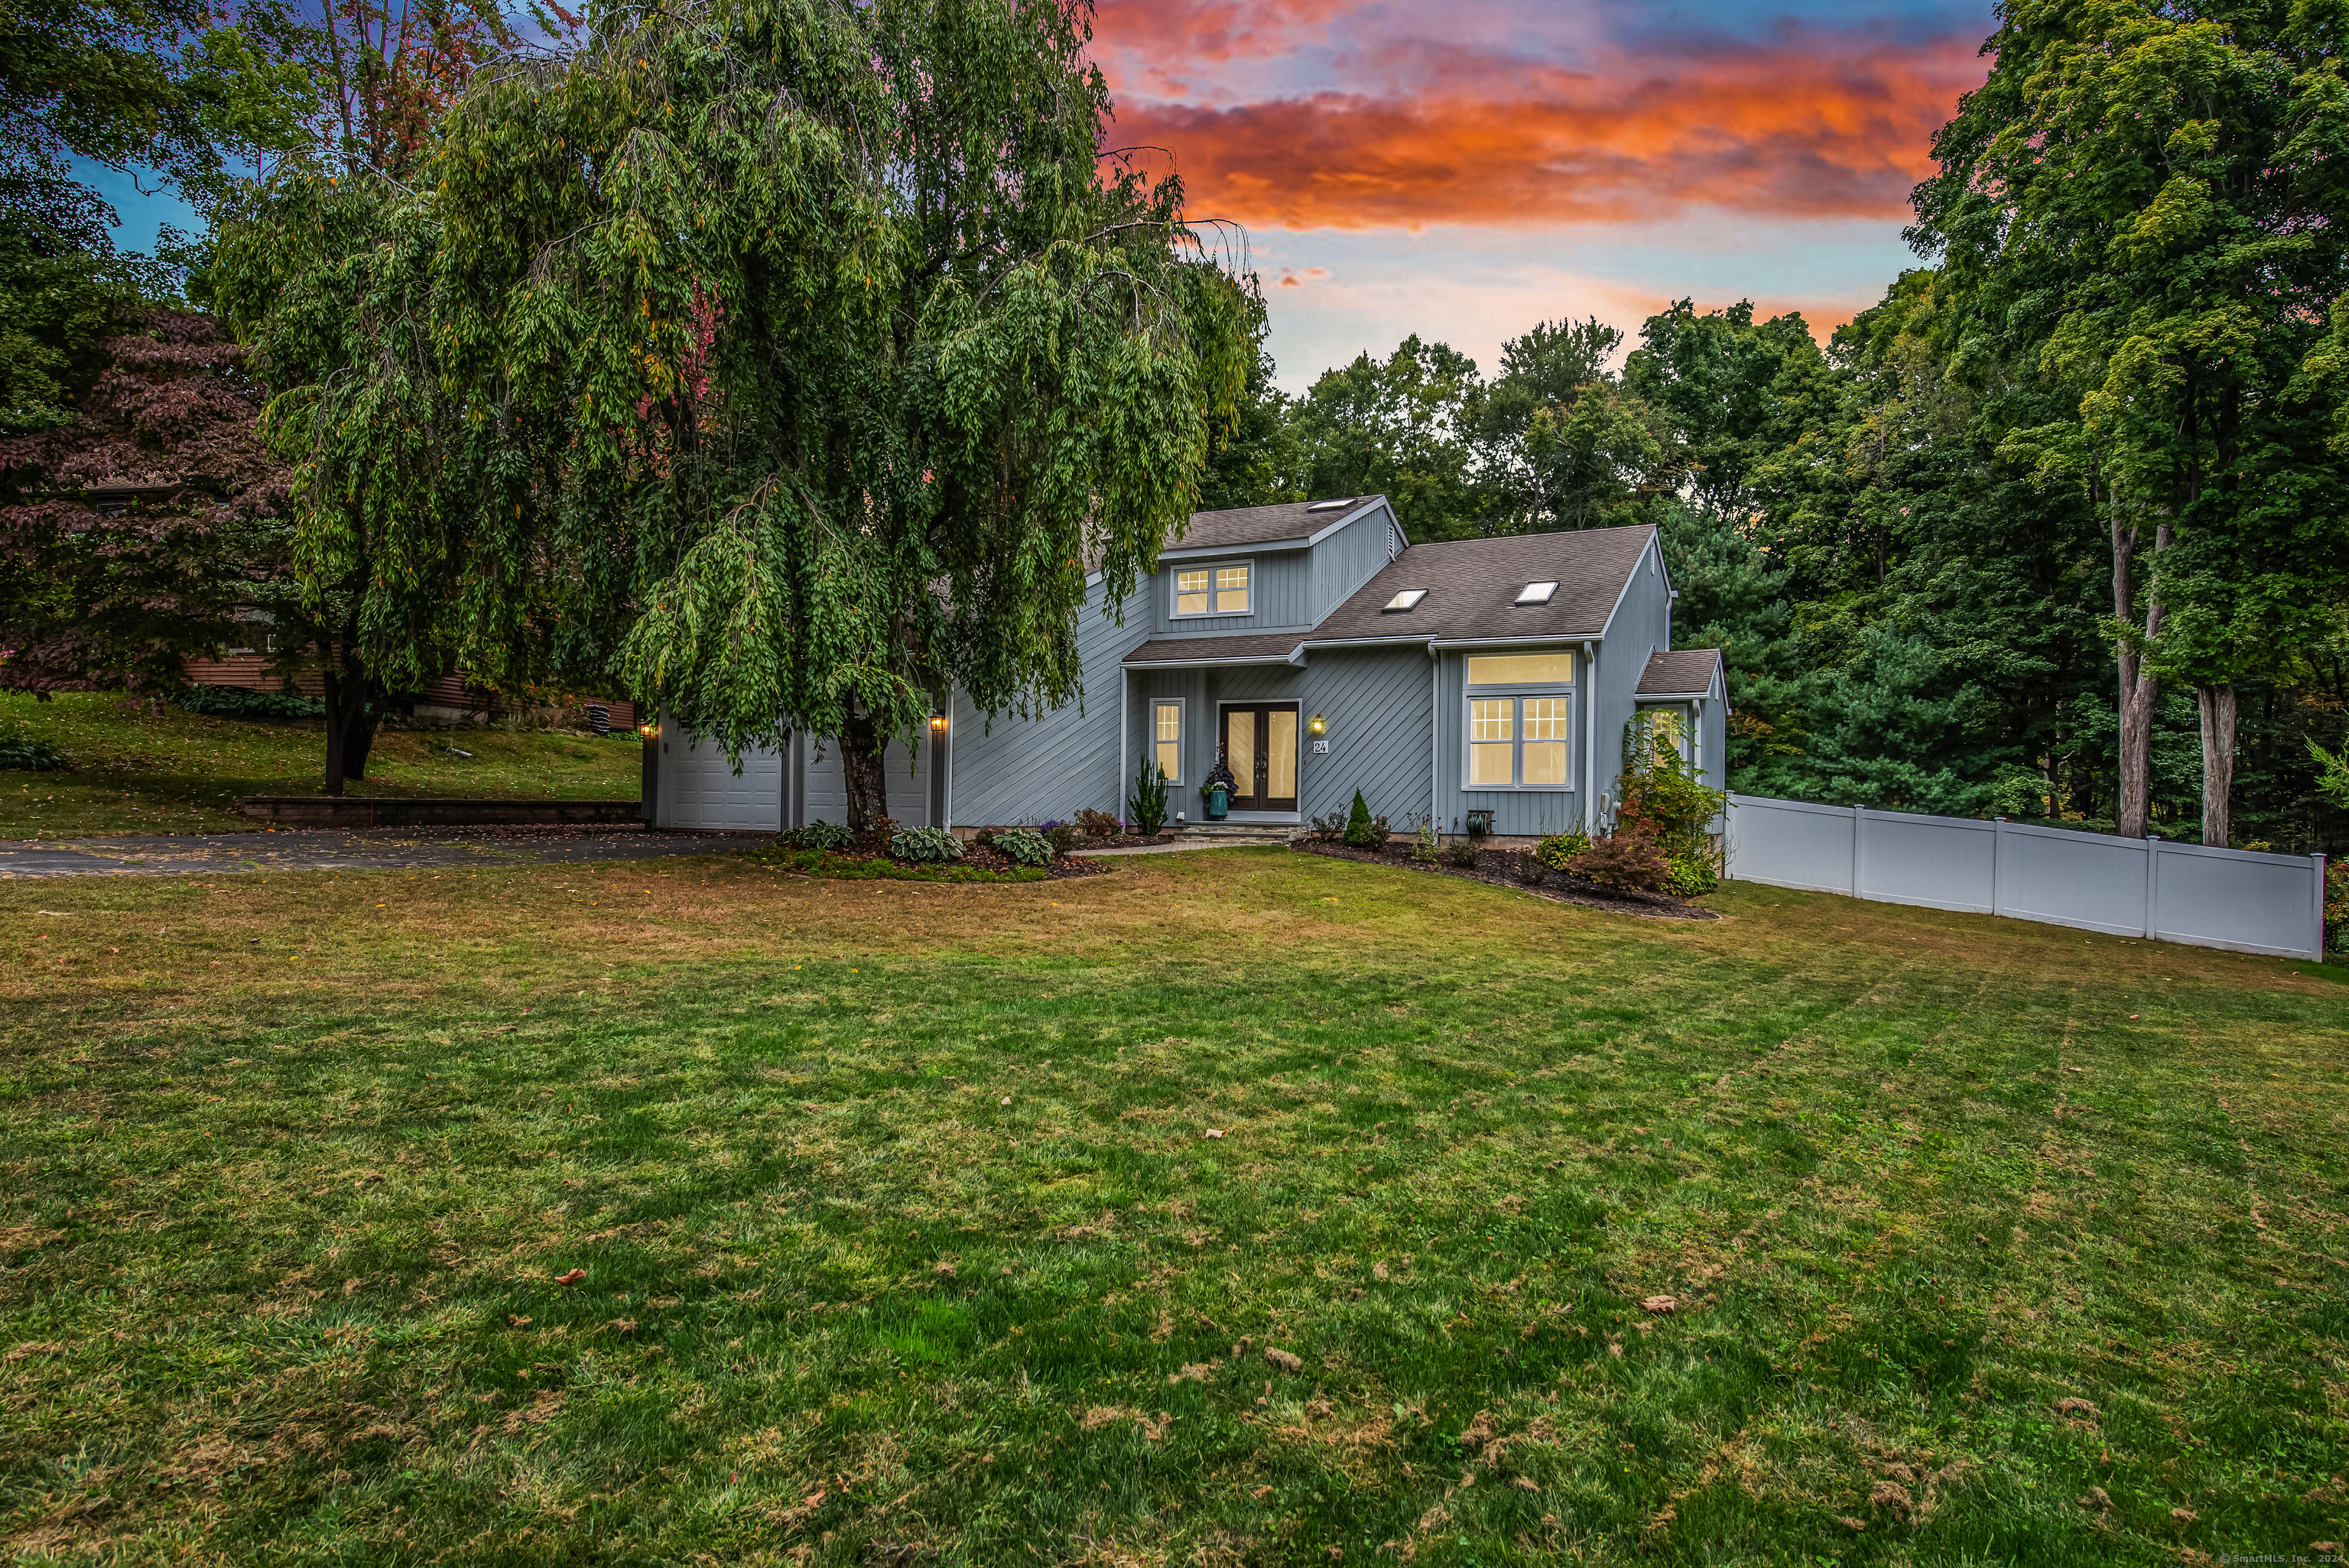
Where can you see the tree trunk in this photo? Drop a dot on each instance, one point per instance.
(353, 711)
(864, 771)
(2133, 807)
(2217, 704)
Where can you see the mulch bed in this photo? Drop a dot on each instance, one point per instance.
(1499, 867)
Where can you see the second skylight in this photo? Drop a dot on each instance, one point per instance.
(1406, 599)
(1536, 592)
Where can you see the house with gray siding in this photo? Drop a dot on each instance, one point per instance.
(1316, 651)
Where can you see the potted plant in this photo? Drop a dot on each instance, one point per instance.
(1216, 792)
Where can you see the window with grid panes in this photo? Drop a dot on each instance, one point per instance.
(1520, 740)
(1166, 727)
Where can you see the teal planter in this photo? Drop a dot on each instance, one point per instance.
(1219, 803)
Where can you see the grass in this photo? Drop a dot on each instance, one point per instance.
(135, 772)
(904, 1238)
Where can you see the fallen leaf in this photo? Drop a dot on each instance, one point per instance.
(514, 1322)
(1661, 1304)
(1213, 1133)
(574, 1277)
(2184, 1515)
(1283, 1359)
(2095, 1496)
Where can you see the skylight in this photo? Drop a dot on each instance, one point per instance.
(1339, 505)
(1536, 592)
(1406, 599)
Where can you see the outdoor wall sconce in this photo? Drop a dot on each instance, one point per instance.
(1317, 723)
(648, 730)
(937, 724)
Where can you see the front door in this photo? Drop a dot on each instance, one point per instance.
(1260, 748)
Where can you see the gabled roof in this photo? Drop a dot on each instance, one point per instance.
(1292, 522)
(1687, 672)
(1472, 585)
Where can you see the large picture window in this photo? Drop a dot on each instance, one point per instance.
(1166, 738)
(1520, 739)
(1214, 590)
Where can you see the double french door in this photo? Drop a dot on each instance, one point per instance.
(1260, 748)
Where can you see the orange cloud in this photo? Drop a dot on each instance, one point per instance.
(1787, 133)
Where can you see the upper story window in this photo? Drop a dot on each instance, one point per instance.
(1214, 590)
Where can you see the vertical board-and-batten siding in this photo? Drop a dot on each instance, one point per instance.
(1020, 770)
(1642, 624)
(1350, 558)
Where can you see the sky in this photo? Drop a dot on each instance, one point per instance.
(1465, 169)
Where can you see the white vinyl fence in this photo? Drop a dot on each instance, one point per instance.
(2128, 887)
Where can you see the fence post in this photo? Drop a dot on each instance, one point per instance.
(1997, 844)
(2152, 880)
(1856, 861)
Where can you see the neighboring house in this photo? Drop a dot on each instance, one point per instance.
(450, 697)
(1320, 652)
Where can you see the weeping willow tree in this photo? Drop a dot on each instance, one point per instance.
(788, 360)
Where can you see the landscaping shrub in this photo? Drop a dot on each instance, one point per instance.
(1024, 846)
(235, 701)
(1626, 862)
(1425, 842)
(1530, 871)
(1061, 836)
(924, 846)
(20, 751)
(1687, 875)
(816, 836)
(1147, 808)
(1329, 829)
(1364, 831)
(1099, 824)
(1558, 849)
(1460, 852)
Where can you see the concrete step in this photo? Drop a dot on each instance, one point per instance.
(1264, 833)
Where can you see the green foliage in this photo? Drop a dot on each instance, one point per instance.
(1558, 849)
(827, 386)
(1062, 836)
(1660, 798)
(1528, 869)
(1025, 846)
(1461, 853)
(1425, 842)
(2336, 906)
(29, 754)
(2333, 783)
(924, 846)
(817, 836)
(1146, 806)
(1364, 831)
(1099, 824)
(1396, 426)
(1690, 874)
(238, 702)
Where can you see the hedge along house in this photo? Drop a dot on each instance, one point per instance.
(1317, 652)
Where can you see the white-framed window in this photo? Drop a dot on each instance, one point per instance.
(1520, 736)
(1215, 590)
(1166, 737)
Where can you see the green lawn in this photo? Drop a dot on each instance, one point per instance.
(904, 1238)
(134, 772)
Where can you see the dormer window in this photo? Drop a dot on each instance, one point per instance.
(1536, 593)
(1214, 590)
(1405, 600)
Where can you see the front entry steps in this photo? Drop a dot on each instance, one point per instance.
(1240, 833)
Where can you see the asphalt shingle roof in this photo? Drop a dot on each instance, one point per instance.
(1471, 584)
(1291, 522)
(1687, 672)
(1214, 650)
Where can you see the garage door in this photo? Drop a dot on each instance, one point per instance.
(909, 785)
(700, 788)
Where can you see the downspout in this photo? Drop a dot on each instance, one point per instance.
(945, 744)
(1589, 739)
(1434, 737)
(1124, 684)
